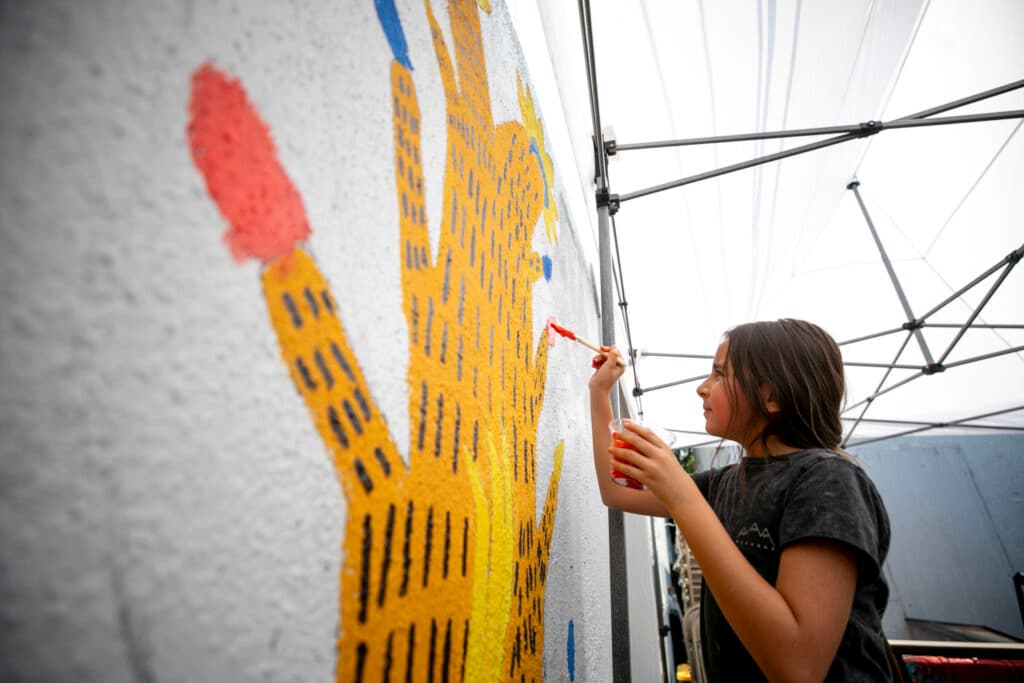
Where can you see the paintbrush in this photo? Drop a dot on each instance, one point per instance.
(568, 334)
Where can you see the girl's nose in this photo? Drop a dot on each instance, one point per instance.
(701, 390)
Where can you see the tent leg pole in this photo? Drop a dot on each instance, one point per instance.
(618, 587)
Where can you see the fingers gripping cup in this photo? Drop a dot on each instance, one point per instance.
(619, 425)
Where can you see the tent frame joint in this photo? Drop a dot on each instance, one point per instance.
(933, 368)
(869, 128)
(608, 199)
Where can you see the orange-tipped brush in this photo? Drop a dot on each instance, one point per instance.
(569, 334)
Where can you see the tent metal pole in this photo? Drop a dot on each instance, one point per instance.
(620, 280)
(863, 130)
(986, 356)
(977, 311)
(830, 130)
(970, 99)
(854, 364)
(618, 586)
(922, 373)
(993, 413)
(867, 404)
(958, 425)
(944, 425)
(977, 326)
(688, 431)
(1013, 255)
(966, 423)
(950, 120)
(874, 335)
(892, 274)
(741, 137)
(962, 425)
(671, 384)
(738, 167)
(858, 129)
(891, 366)
(872, 397)
(907, 432)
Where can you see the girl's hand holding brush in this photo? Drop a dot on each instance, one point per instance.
(608, 363)
(609, 367)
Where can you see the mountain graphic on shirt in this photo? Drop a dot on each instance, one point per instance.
(755, 536)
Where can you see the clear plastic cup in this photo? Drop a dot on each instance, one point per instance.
(619, 425)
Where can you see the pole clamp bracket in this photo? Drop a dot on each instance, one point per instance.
(604, 198)
(870, 128)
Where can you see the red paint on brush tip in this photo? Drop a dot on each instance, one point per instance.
(561, 330)
(231, 146)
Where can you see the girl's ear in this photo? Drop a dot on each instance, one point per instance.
(768, 400)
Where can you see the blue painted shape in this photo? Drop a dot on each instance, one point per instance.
(543, 174)
(546, 260)
(570, 652)
(392, 25)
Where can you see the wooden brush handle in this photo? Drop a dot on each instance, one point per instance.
(598, 349)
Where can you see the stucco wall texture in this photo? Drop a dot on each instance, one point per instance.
(278, 402)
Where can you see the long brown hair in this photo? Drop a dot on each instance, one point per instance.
(799, 366)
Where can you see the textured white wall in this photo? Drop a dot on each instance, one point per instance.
(167, 510)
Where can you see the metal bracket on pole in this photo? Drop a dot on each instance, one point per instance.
(606, 199)
(870, 128)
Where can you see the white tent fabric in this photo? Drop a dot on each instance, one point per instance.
(787, 238)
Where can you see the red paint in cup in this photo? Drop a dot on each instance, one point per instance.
(619, 425)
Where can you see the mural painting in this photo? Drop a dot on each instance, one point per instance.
(444, 560)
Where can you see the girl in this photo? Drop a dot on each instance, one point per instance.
(791, 540)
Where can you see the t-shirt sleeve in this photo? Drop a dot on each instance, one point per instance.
(836, 500)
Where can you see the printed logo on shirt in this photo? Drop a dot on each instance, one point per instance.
(755, 537)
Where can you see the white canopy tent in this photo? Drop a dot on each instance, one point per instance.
(899, 233)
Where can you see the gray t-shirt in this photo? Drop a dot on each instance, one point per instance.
(767, 504)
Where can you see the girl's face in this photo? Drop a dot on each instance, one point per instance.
(725, 411)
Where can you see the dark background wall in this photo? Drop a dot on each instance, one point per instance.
(957, 511)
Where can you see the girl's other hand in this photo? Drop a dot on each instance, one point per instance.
(607, 370)
(650, 461)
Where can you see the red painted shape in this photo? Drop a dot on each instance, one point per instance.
(561, 330)
(232, 147)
